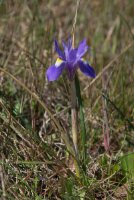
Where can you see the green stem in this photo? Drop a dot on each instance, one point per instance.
(82, 122)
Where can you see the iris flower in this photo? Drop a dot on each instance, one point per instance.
(70, 59)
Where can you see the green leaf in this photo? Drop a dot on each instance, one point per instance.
(82, 122)
(127, 164)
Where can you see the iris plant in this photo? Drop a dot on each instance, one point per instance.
(70, 59)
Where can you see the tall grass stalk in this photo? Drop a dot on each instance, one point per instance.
(74, 113)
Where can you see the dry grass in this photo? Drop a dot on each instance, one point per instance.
(34, 114)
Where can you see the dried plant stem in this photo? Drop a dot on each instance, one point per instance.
(74, 117)
(105, 116)
(64, 135)
(75, 19)
(73, 92)
(109, 65)
(2, 181)
(74, 114)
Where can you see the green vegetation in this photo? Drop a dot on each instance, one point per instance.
(35, 116)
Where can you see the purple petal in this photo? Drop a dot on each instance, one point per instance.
(67, 47)
(82, 48)
(64, 44)
(57, 49)
(66, 50)
(54, 72)
(71, 69)
(69, 43)
(72, 55)
(86, 68)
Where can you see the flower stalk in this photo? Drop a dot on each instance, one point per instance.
(74, 120)
(74, 116)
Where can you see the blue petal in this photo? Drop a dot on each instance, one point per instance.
(64, 44)
(69, 43)
(67, 47)
(54, 72)
(82, 48)
(57, 49)
(66, 50)
(86, 68)
(72, 57)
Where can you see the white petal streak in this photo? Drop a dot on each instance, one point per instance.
(58, 62)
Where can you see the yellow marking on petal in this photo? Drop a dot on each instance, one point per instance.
(58, 62)
(84, 60)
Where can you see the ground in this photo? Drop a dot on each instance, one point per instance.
(34, 114)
